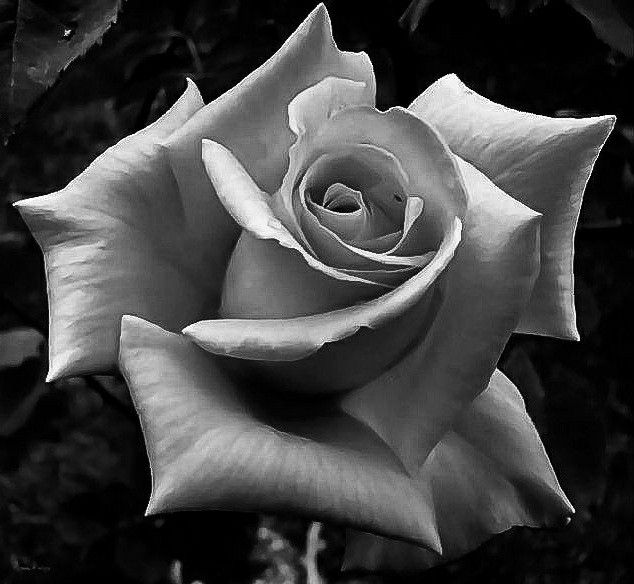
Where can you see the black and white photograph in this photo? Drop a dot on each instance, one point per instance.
(300, 292)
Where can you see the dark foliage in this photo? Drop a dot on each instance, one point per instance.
(73, 474)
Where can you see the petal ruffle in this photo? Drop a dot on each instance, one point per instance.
(543, 162)
(115, 241)
(490, 472)
(212, 445)
(251, 119)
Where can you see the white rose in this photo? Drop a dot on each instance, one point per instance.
(309, 244)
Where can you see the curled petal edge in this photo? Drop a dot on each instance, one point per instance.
(251, 208)
(296, 338)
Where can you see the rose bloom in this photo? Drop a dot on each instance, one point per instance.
(308, 298)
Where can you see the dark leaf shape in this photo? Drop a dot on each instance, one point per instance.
(612, 22)
(410, 19)
(21, 374)
(38, 40)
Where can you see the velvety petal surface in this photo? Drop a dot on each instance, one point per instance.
(216, 444)
(251, 120)
(484, 293)
(543, 162)
(115, 240)
(489, 473)
(382, 327)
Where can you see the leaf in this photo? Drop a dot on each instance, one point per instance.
(21, 373)
(612, 21)
(18, 345)
(38, 40)
(410, 19)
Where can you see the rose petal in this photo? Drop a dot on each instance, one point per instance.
(115, 241)
(267, 280)
(489, 473)
(423, 155)
(307, 112)
(209, 449)
(251, 208)
(346, 224)
(543, 162)
(375, 173)
(377, 189)
(251, 119)
(296, 338)
(420, 152)
(392, 321)
(310, 108)
(486, 289)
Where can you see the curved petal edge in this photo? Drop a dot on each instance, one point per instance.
(490, 472)
(543, 162)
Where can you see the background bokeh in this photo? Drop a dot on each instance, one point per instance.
(73, 475)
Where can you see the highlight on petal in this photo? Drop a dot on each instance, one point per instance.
(251, 120)
(543, 162)
(216, 444)
(488, 473)
(310, 108)
(115, 241)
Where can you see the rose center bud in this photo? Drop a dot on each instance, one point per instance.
(342, 199)
(357, 194)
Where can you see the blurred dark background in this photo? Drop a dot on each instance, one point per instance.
(73, 475)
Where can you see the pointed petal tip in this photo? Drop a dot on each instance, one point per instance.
(561, 520)
(25, 205)
(433, 542)
(153, 508)
(59, 367)
(569, 511)
(195, 333)
(189, 330)
(210, 147)
(130, 322)
(192, 92)
(320, 11)
(452, 78)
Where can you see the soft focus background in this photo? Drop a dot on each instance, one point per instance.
(74, 479)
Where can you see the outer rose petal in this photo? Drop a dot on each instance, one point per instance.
(543, 162)
(115, 241)
(212, 445)
(251, 120)
(490, 472)
(485, 291)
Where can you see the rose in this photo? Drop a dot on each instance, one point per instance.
(319, 246)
